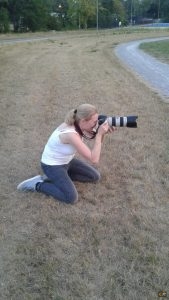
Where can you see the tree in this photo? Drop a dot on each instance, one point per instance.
(80, 12)
(114, 11)
(28, 14)
(15, 11)
(119, 11)
(164, 10)
(4, 20)
(3, 4)
(108, 5)
(73, 13)
(35, 15)
(87, 9)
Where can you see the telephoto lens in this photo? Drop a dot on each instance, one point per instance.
(127, 121)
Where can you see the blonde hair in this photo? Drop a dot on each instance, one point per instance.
(83, 111)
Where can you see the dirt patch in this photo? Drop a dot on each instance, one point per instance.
(114, 243)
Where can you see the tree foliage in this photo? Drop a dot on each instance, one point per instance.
(34, 15)
(4, 20)
(81, 11)
(28, 14)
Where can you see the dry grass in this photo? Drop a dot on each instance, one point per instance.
(114, 243)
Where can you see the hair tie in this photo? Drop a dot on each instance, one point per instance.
(75, 111)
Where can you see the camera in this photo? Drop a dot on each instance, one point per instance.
(127, 121)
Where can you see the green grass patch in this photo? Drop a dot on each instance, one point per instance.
(158, 49)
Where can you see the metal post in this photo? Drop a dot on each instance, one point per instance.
(158, 10)
(97, 14)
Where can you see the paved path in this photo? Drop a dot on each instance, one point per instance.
(22, 40)
(150, 69)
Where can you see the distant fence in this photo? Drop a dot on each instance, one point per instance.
(157, 25)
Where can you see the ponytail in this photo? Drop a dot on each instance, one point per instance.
(70, 117)
(83, 111)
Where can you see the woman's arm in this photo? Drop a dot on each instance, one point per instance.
(93, 155)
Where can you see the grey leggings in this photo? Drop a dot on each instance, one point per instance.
(59, 183)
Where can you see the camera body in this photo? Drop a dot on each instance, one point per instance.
(127, 121)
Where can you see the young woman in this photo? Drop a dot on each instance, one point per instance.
(58, 160)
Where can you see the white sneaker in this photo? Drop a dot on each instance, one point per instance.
(29, 184)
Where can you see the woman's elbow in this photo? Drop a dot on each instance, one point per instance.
(94, 160)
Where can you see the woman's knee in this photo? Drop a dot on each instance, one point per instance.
(67, 200)
(96, 177)
(71, 196)
(72, 200)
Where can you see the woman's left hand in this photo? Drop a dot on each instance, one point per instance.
(111, 129)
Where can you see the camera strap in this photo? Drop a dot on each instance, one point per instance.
(77, 128)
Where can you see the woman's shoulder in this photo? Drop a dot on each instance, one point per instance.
(65, 128)
(67, 133)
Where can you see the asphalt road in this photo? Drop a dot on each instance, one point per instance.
(154, 72)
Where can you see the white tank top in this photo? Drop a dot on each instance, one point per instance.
(55, 152)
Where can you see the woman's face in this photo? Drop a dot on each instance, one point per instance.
(89, 125)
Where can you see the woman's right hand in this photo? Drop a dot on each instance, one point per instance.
(103, 128)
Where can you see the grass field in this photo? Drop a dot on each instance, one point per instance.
(159, 49)
(114, 243)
